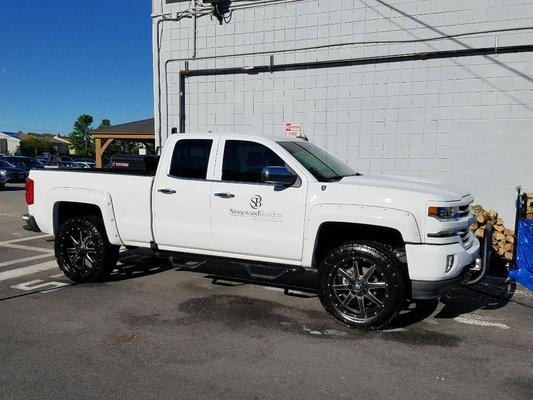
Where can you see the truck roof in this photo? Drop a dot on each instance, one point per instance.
(274, 138)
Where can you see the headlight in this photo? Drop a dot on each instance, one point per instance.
(445, 213)
(3, 173)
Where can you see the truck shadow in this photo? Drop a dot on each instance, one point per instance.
(457, 301)
(134, 264)
(462, 300)
(489, 295)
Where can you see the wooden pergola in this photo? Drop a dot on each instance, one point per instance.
(137, 131)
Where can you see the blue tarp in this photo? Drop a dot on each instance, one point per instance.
(524, 255)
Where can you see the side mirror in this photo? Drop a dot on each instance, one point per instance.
(278, 176)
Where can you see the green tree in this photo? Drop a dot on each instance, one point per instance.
(33, 146)
(104, 124)
(80, 139)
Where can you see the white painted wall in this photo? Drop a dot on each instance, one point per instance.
(12, 143)
(463, 120)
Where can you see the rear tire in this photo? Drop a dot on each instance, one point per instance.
(362, 284)
(83, 251)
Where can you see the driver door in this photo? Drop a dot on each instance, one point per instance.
(251, 218)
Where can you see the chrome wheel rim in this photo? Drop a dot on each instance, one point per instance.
(81, 251)
(357, 289)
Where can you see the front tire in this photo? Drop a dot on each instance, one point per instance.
(83, 251)
(362, 284)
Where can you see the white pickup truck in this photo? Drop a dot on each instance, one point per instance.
(275, 206)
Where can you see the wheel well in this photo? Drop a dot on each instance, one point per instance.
(334, 234)
(64, 211)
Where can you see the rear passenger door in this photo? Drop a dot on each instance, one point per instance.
(250, 218)
(182, 196)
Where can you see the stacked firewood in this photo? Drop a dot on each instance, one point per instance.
(503, 239)
(529, 210)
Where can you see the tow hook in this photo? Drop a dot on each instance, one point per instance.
(479, 269)
(477, 265)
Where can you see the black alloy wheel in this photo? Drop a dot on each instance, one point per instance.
(362, 284)
(83, 251)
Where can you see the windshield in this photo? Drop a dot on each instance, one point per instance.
(323, 166)
(5, 164)
(15, 162)
(32, 162)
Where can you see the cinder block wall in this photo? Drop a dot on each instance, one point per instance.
(468, 120)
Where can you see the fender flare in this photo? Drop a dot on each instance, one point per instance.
(98, 198)
(402, 221)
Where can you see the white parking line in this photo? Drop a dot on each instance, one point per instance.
(478, 321)
(21, 260)
(39, 284)
(23, 239)
(32, 269)
(27, 248)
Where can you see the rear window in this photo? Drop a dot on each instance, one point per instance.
(191, 158)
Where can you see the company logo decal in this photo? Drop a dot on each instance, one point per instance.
(260, 215)
(255, 201)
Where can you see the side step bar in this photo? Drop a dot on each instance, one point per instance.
(223, 268)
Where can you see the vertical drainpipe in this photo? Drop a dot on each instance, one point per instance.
(157, 52)
(194, 34)
(183, 75)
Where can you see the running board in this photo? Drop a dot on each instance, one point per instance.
(185, 265)
(226, 268)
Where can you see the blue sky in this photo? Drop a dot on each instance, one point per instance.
(63, 58)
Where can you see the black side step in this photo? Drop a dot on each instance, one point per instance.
(226, 267)
(186, 265)
(270, 273)
(288, 289)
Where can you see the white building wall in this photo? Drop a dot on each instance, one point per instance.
(12, 143)
(463, 120)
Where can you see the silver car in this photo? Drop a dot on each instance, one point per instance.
(3, 178)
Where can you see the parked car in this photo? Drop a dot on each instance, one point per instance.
(272, 207)
(3, 179)
(26, 163)
(13, 174)
(83, 164)
(47, 162)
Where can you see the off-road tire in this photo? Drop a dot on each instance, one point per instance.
(104, 255)
(389, 276)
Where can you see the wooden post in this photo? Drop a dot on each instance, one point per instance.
(100, 149)
(99, 152)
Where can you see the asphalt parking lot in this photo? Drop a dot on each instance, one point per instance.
(156, 332)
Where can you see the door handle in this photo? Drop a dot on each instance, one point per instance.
(225, 195)
(166, 191)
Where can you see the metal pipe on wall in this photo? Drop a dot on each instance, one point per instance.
(470, 52)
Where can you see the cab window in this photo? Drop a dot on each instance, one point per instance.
(191, 158)
(244, 161)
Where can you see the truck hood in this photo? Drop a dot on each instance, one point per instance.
(433, 190)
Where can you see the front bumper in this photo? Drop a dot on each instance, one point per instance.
(428, 272)
(31, 224)
(427, 290)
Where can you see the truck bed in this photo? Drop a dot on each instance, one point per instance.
(128, 190)
(116, 171)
